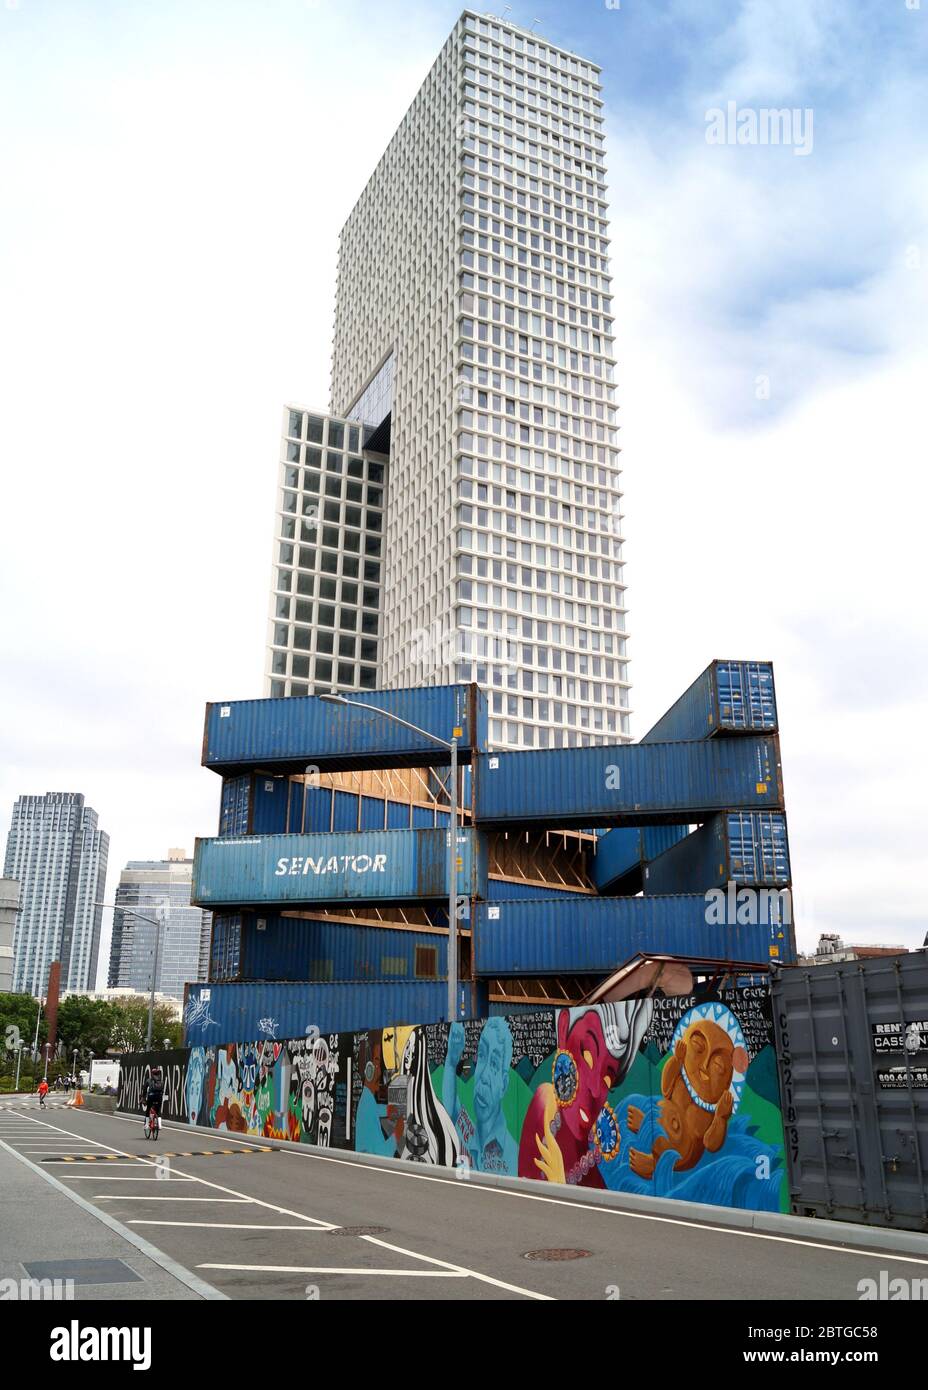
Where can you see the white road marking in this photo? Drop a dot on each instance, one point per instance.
(105, 1177)
(81, 1162)
(338, 1269)
(461, 1269)
(456, 1186)
(152, 1162)
(140, 1197)
(233, 1226)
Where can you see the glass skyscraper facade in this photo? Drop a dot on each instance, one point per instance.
(58, 853)
(159, 889)
(473, 365)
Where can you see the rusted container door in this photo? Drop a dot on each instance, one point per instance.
(855, 1096)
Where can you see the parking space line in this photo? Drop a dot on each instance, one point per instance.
(204, 1182)
(217, 1187)
(438, 1268)
(140, 1197)
(341, 1269)
(462, 1269)
(69, 1158)
(232, 1226)
(105, 1177)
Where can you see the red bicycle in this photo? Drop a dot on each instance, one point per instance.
(152, 1126)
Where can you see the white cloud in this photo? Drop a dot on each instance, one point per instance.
(787, 527)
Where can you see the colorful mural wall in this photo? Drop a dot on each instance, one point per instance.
(667, 1096)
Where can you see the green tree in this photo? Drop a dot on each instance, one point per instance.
(17, 1023)
(85, 1025)
(131, 1026)
(18, 1014)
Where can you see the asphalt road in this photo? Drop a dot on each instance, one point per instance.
(289, 1224)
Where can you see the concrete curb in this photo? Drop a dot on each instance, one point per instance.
(843, 1233)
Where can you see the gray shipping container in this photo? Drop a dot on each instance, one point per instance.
(855, 1099)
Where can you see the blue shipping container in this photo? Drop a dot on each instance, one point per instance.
(254, 805)
(318, 950)
(601, 934)
(376, 866)
(730, 697)
(622, 853)
(629, 784)
(289, 735)
(225, 946)
(739, 847)
(226, 1013)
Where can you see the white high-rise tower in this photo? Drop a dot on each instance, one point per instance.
(457, 516)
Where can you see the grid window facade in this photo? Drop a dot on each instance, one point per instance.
(325, 616)
(475, 263)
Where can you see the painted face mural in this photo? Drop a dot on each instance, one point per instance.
(486, 1141)
(196, 1078)
(701, 1087)
(674, 1096)
(569, 1128)
(248, 1068)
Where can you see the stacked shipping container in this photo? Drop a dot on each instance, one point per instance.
(317, 845)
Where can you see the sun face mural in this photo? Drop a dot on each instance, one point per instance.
(660, 1096)
(700, 1087)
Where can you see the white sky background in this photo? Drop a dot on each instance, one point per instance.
(173, 178)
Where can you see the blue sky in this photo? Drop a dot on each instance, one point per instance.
(173, 177)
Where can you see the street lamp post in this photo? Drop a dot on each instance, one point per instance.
(452, 746)
(158, 925)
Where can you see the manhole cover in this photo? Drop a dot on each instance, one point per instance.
(556, 1254)
(360, 1231)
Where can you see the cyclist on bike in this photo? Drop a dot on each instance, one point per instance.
(154, 1094)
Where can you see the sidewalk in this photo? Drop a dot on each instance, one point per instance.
(41, 1225)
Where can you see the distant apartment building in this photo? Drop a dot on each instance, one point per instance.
(58, 853)
(158, 890)
(831, 950)
(456, 514)
(9, 908)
